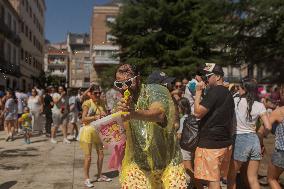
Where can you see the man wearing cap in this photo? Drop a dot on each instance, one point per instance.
(216, 111)
(152, 156)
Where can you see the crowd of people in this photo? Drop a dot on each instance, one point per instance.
(204, 127)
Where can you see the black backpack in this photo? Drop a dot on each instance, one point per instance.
(190, 133)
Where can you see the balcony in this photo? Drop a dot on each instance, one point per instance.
(8, 33)
(9, 68)
(99, 60)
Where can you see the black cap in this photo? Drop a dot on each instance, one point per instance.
(159, 77)
(213, 68)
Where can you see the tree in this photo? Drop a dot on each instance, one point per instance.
(257, 34)
(176, 36)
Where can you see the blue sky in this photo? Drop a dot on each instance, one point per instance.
(64, 16)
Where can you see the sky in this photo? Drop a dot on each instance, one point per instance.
(64, 16)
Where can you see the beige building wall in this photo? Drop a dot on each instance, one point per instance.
(102, 48)
(32, 14)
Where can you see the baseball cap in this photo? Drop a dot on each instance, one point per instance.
(213, 68)
(159, 77)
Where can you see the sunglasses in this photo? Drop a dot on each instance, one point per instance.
(208, 76)
(178, 86)
(128, 83)
(97, 93)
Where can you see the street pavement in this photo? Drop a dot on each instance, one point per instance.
(42, 165)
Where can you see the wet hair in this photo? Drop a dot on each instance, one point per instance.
(127, 69)
(250, 87)
(184, 105)
(96, 88)
(12, 93)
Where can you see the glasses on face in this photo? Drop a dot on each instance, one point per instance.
(97, 93)
(128, 83)
(208, 76)
(178, 86)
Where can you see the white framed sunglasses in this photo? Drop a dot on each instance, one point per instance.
(128, 83)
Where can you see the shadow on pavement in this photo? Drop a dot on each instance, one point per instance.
(19, 152)
(8, 185)
(111, 174)
(37, 141)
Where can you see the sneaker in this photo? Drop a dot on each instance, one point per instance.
(53, 141)
(104, 178)
(70, 137)
(88, 183)
(66, 141)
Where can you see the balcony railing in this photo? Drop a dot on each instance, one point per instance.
(9, 68)
(7, 32)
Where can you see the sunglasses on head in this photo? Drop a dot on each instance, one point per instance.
(128, 83)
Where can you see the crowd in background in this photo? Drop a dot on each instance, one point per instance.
(255, 107)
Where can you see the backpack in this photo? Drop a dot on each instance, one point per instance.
(190, 134)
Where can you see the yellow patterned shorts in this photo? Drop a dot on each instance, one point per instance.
(173, 177)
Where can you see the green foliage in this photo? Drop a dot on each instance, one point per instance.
(166, 34)
(178, 36)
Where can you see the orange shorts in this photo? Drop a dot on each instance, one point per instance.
(212, 164)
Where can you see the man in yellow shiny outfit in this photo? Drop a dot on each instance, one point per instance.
(152, 156)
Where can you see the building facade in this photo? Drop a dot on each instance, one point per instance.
(103, 50)
(80, 66)
(9, 46)
(56, 62)
(31, 32)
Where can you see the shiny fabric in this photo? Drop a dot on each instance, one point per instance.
(151, 146)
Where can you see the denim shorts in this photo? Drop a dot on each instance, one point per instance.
(246, 147)
(277, 158)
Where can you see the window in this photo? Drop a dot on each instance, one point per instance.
(27, 6)
(34, 62)
(30, 59)
(2, 13)
(26, 57)
(27, 31)
(34, 41)
(86, 79)
(109, 37)
(110, 19)
(22, 54)
(14, 26)
(30, 35)
(1, 47)
(14, 56)
(9, 21)
(30, 11)
(22, 27)
(8, 53)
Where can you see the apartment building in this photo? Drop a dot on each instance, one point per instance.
(31, 32)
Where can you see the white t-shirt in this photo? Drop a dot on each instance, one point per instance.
(21, 97)
(63, 103)
(243, 125)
